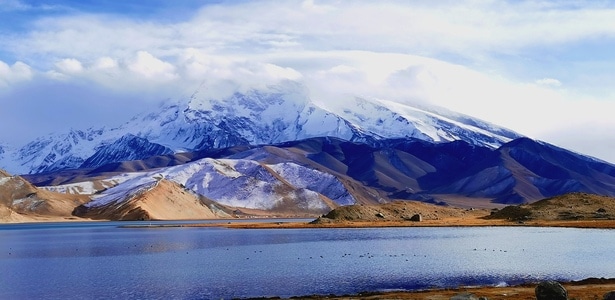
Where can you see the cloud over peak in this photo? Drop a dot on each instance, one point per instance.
(503, 61)
(17, 72)
(150, 67)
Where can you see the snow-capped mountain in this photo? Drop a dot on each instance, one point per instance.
(232, 182)
(315, 175)
(283, 112)
(56, 152)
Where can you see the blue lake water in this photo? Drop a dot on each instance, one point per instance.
(100, 260)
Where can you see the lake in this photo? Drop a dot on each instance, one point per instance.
(100, 260)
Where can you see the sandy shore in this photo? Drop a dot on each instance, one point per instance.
(586, 289)
(447, 222)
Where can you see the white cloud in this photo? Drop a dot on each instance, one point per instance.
(15, 73)
(224, 75)
(471, 31)
(55, 75)
(596, 142)
(277, 73)
(9, 5)
(446, 52)
(17, 5)
(150, 67)
(549, 82)
(310, 5)
(341, 69)
(105, 63)
(69, 66)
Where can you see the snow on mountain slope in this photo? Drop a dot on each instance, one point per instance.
(91, 187)
(238, 183)
(315, 174)
(164, 200)
(122, 192)
(128, 147)
(388, 119)
(59, 151)
(314, 180)
(278, 113)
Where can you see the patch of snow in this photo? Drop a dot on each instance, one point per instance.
(89, 187)
(4, 180)
(27, 203)
(123, 192)
(225, 167)
(233, 182)
(312, 200)
(314, 180)
(80, 188)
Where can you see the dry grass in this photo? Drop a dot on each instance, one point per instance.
(580, 291)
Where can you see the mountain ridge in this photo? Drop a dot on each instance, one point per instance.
(20, 201)
(454, 173)
(279, 113)
(164, 200)
(276, 150)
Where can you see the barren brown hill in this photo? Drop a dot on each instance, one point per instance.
(166, 200)
(573, 210)
(410, 211)
(572, 206)
(20, 201)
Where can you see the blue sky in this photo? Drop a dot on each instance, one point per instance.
(542, 68)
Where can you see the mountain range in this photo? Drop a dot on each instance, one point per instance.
(278, 152)
(283, 112)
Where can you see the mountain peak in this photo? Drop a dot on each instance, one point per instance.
(273, 114)
(253, 101)
(127, 147)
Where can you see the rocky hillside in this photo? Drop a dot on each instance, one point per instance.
(164, 200)
(319, 169)
(156, 199)
(410, 211)
(572, 206)
(21, 201)
(313, 176)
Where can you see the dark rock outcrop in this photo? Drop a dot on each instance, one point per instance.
(551, 290)
(609, 296)
(515, 213)
(416, 218)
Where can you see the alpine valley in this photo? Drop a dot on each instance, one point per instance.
(277, 152)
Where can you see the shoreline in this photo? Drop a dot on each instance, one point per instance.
(462, 222)
(280, 223)
(589, 288)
